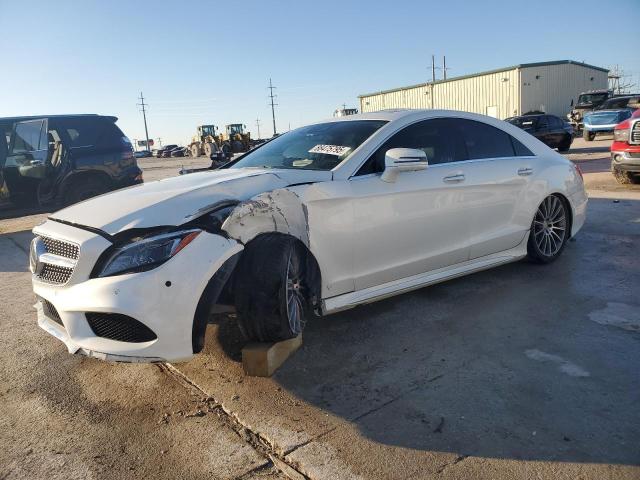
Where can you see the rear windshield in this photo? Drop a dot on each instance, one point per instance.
(524, 122)
(315, 147)
(84, 132)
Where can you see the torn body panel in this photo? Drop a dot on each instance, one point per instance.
(291, 211)
(278, 211)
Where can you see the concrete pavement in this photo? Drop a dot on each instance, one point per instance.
(522, 371)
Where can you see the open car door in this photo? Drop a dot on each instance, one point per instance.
(29, 148)
(4, 147)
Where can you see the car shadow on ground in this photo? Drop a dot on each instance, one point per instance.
(9, 212)
(594, 149)
(9, 242)
(514, 362)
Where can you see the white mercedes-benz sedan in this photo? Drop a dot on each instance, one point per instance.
(321, 219)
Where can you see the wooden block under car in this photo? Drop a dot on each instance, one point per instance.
(263, 359)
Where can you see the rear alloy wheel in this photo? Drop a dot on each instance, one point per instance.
(549, 230)
(275, 289)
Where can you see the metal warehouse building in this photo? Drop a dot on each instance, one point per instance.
(547, 86)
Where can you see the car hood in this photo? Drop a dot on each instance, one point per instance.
(176, 200)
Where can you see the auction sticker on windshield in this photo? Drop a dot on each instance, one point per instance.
(330, 150)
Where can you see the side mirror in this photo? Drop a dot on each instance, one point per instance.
(399, 160)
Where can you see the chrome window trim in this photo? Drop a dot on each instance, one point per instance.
(355, 174)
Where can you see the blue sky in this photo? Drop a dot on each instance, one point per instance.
(209, 62)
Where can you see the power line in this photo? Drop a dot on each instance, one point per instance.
(144, 116)
(273, 110)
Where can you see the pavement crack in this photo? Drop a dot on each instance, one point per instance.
(260, 444)
(397, 397)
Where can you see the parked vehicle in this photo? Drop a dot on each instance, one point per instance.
(165, 151)
(549, 129)
(616, 103)
(178, 152)
(62, 159)
(142, 154)
(318, 220)
(208, 142)
(625, 150)
(587, 101)
(603, 121)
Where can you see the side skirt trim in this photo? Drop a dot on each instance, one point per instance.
(379, 292)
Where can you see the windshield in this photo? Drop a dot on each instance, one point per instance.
(207, 130)
(592, 98)
(614, 103)
(315, 147)
(233, 129)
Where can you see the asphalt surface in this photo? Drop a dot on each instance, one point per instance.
(523, 371)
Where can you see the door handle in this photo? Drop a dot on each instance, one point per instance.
(523, 172)
(454, 178)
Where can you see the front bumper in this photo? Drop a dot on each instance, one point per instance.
(600, 128)
(163, 299)
(625, 157)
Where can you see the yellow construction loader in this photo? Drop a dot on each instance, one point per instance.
(205, 142)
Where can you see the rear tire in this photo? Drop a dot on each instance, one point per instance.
(623, 177)
(275, 288)
(210, 149)
(588, 136)
(549, 230)
(237, 146)
(195, 151)
(565, 146)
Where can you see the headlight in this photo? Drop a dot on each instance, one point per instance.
(145, 253)
(621, 135)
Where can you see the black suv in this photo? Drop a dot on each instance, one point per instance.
(549, 129)
(63, 159)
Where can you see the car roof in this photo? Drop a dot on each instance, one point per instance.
(59, 116)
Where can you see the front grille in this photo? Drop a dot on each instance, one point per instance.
(115, 326)
(58, 247)
(50, 311)
(57, 266)
(55, 274)
(635, 132)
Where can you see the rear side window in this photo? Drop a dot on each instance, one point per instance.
(521, 150)
(485, 141)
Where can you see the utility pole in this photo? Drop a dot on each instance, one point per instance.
(258, 125)
(273, 110)
(444, 67)
(144, 115)
(160, 142)
(433, 68)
